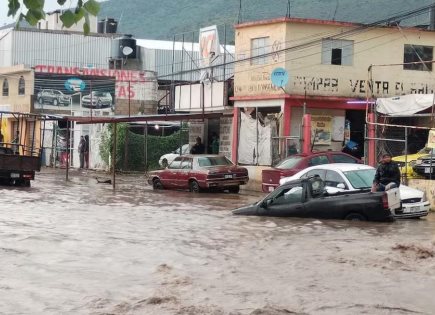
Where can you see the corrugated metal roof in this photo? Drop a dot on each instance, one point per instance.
(59, 48)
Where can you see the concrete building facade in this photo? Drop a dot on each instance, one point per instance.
(328, 68)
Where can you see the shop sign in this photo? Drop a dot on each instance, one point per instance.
(321, 130)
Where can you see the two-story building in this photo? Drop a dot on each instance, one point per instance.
(328, 68)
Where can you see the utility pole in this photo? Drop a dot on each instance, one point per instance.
(239, 18)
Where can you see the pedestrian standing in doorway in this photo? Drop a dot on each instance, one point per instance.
(198, 148)
(86, 152)
(82, 145)
(215, 144)
(2, 138)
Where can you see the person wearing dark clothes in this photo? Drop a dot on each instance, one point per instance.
(82, 145)
(86, 151)
(198, 148)
(387, 175)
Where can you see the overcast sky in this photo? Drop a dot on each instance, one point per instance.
(50, 5)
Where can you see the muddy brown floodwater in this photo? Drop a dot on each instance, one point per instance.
(79, 248)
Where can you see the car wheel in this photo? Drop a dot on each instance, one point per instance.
(40, 101)
(355, 217)
(194, 186)
(157, 184)
(164, 163)
(234, 189)
(17, 182)
(55, 102)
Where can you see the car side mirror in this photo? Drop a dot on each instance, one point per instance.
(341, 186)
(266, 203)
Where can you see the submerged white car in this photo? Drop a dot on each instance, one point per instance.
(166, 159)
(346, 176)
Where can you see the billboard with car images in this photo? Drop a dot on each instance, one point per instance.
(70, 92)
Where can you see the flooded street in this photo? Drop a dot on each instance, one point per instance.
(80, 248)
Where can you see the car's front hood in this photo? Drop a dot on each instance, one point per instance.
(246, 210)
(96, 98)
(408, 192)
(288, 179)
(409, 157)
(169, 156)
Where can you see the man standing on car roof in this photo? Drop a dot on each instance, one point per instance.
(387, 175)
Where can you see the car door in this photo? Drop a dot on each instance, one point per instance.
(171, 174)
(323, 207)
(45, 96)
(316, 172)
(334, 179)
(184, 173)
(284, 202)
(49, 96)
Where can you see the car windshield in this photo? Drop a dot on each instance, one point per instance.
(213, 161)
(185, 149)
(98, 93)
(360, 179)
(289, 163)
(426, 151)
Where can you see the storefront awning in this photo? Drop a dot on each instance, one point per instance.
(405, 105)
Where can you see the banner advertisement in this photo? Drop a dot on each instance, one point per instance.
(209, 49)
(54, 92)
(321, 130)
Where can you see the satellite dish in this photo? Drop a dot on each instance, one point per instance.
(127, 50)
(279, 77)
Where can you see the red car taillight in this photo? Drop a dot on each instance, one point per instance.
(385, 201)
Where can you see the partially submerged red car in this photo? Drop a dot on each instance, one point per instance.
(199, 172)
(295, 163)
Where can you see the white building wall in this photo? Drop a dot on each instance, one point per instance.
(5, 48)
(53, 22)
(62, 49)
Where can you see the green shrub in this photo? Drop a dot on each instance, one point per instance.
(133, 159)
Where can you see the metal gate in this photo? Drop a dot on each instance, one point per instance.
(393, 140)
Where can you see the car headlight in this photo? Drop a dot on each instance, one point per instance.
(400, 164)
(418, 162)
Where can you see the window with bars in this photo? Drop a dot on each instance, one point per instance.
(5, 87)
(21, 86)
(418, 54)
(259, 47)
(337, 52)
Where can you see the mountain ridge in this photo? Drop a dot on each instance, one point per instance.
(171, 18)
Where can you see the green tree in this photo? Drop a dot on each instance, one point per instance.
(35, 12)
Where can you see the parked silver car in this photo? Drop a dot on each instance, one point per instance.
(97, 99)
(55, 97)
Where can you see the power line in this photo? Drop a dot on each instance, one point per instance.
(316, 42)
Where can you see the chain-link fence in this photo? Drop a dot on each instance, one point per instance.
(400, 143)
(139, 150)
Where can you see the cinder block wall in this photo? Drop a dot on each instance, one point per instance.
(425, 185)
(254, 183)
(136, 107)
